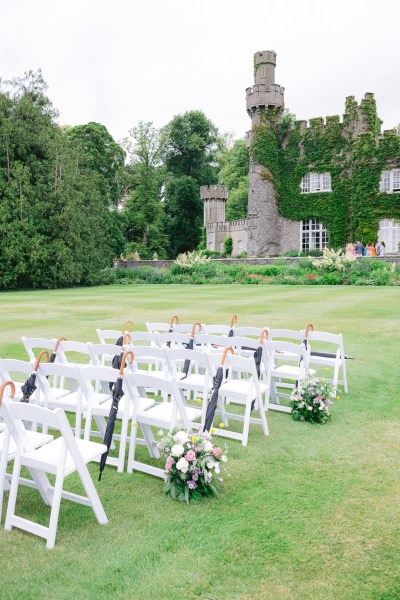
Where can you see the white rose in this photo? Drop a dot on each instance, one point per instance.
(181, 437)
(309, 407)
(217, 469)
(208, 446)
(210, 464)
(224, 458)
(177, 450)
(182, 465)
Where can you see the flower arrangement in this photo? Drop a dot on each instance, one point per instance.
(192, 466)
(332, 261)
(312, 400)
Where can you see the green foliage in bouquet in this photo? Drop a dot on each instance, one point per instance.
(312, 401)
(193, 465)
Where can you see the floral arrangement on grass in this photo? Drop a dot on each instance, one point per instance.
(312, 401)
(332, 261)
(193, 464)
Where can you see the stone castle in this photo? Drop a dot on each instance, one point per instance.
(273, 227)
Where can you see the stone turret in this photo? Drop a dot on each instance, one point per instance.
(265, 92)
(214, 198)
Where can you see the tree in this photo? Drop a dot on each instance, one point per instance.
(100, 153)
(191, 143)
(234, 174)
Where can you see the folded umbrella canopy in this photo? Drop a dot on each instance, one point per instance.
(233, 322)
(30, 384)
(189, 346)
(117, 395)
(217, 382)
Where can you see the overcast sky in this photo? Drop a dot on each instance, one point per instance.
(121, 61)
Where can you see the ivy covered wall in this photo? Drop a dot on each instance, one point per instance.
(352, 151)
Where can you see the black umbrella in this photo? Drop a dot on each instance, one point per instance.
(189, 346)
(258, 357)
(117, 395)
(217, 381)
(174, 320)
(29, 386)
(53, 355)
(116, 361)
(233, 321)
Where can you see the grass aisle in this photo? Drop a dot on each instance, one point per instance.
(309, 512)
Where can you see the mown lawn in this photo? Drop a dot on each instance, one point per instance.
(309, 512)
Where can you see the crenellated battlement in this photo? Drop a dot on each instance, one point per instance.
(214, 192)
(226, 226)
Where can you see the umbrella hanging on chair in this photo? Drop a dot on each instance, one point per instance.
(119, 341)
(233, 322)
(116, 397)
(174, 321)
(117, 359)
(258, 357)
(53, 355)
(217, 382)
(189, 346)
(309, 328)
(29, 386)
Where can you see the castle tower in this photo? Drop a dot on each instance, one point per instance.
(264, 221)
(214, 198)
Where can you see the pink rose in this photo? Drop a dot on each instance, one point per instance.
(168, 465)
(216, 452)
(190, 455)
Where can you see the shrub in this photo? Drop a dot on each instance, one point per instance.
(333, 261)
(228, 245)
(188, 260)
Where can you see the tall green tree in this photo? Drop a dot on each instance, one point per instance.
(191, 144)
(234, 163)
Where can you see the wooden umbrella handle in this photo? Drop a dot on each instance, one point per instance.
(194, 328)
(174, 321)
(233, 320)
(125, 325)
(123, 360)
(3, 387)
(231, 350)
(263, 336)
(310, 327)
(39, 359)
(127, 336)
(58, 342)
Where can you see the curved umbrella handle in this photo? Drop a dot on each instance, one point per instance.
(263, 336)
(174, 321)
(127, 336)
(194, 328)
(125, 324)
(123, 360)
(39, 359)
(231, 350)
(3, 387)
(58, 342)
(233, 320)
(310, 327)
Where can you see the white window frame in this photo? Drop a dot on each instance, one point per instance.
(314, 183)
(390, 181)
(316, 234)
(389, 232)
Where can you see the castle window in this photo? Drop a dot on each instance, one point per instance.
(390, 181)
(316, 182)
(389, 232)
(263, 71)
(314, 236)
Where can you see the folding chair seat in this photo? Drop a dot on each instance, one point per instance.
(165, 415)
(60, 457)
(322, 354)
(241, 386)
(8, 446)
(291, 374)
(100, 411)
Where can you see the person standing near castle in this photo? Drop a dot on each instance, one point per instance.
(359, 249)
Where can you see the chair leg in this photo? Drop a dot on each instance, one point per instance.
(55, 507)
(132, 447)
(3, 468)
(92, 494)
(13, 490)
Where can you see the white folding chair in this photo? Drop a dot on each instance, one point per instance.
(282, 373)
(205, 342)
(8, 450)
(101, 411)
(162, 327)
(18, 372)
(110, 336)
(165, 415)
(148, 356)
(76, 348)
(322, 354)
(31, 344)
(221, 329)
(173, 340)
(60, 457)
(241, 386)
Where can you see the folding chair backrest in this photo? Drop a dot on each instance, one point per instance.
(175, 357)
(157, 327)
(275, 348)
(91, 373)
(140, 338)
(101, 352)
(147, 352)
(48, 371)
(217, 329)
(285, 334)
(241, 364)
(210, 342)
(75, 347)
(108, 336)
(329, 338)
(186, 328)
(248, 331)
(241, 342)
(39, 344)
(174, 339)
(11, 365)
